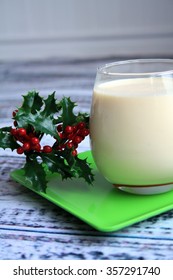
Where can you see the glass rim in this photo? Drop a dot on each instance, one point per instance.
(103, 69)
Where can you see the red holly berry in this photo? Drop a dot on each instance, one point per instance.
(61, 135)
(77, 139)
(74, 153)
(85, 132)
(59, 128)
(74, 128)
(15, 123)
(47, 149)
(69, 145)
(21, 131)
(14, 113)
(68, 129)
(35, 140)
(26, 146)
(13, 131)
(81, 125)
(70, 136)
(37, 147)
(20, 150)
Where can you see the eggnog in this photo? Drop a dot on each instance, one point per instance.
(131, 128)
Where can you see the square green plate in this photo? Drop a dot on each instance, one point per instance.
(102, 206)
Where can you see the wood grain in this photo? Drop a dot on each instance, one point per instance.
(33, 228)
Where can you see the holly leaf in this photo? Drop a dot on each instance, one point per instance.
(50, 106)
(66, 154)
(67, 115)
(32, 102)
(84, 170)
(55, 163)
(38, 113)
(38, 121)
(7, 140)
(35, 174)
(44, 125)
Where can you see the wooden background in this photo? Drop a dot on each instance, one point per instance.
(33, 228)
(78, 28)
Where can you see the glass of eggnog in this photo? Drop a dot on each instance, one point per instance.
(131, 125)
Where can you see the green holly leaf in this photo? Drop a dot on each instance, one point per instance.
(35, 174)
(32, 102)
(67, 115)
(44, 125)
(55, 163)
(37, 121)
(7, 140)
(38, 113)
(66, 154)
(84, 170)
(50, 106)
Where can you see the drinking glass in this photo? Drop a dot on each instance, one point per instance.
(131, 124)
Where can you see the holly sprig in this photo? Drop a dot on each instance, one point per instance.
(40, 116)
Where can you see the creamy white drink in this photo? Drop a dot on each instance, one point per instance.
(132, 130)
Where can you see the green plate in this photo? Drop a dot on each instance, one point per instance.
(102, 206)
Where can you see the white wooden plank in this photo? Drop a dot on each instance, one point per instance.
(34, 245)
